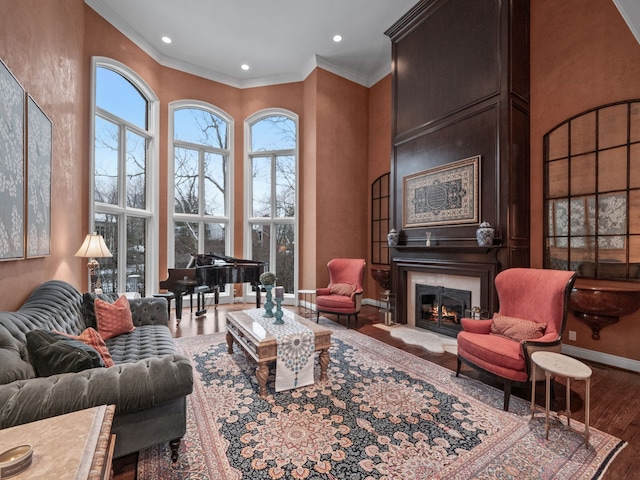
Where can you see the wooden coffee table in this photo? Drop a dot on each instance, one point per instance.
(260, 345)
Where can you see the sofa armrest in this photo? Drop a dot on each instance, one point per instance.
(149, 311)
(130, 387)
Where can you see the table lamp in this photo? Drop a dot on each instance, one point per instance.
(93, 247)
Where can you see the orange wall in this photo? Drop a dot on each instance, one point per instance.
(307, 196)
(41, 43)
(379, 153)
(580, 58)
(341, 171)
(49, 47)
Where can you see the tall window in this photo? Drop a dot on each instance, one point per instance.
(201, 190)
(122, 163)
(272, 193)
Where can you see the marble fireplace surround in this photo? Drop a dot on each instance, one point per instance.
(460, 282)
(477, 277)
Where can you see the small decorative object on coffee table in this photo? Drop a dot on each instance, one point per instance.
(485, 234)
(279, 298)
(268, 279)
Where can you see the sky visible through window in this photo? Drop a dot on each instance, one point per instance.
(116, 95)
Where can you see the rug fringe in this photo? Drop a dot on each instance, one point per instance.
(609, 460)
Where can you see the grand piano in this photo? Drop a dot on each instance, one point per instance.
(210, 272)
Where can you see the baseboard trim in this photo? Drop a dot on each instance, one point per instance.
(600, 357)
(586, 354)
(373, 302)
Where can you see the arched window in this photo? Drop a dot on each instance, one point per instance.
(272, 193)
(201, 187)
(123, 157)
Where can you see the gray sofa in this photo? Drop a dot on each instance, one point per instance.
(148, 385)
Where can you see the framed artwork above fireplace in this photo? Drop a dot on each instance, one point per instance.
(445, 195)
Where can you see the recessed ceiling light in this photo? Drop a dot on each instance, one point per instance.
(166, 39)
(337, 38)
(244, 66)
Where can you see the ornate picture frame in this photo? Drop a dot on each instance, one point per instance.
(445, 195)
(12, 171)
(39, 153)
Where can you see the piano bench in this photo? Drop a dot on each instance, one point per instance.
(168, 296)
(200, 290)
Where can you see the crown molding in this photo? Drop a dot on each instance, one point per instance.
(630, 11)
(314, 62)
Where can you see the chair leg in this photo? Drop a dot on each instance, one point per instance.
(348, 318)
(507, 395)
(317, 317)
(459, 363)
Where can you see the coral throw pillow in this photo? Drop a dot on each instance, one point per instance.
(345, 289)
(113, 318)
(92, 338)
(517, 328)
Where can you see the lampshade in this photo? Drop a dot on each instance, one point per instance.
(93, 247)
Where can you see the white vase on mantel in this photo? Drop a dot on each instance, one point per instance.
(485, 234)
(393, 237)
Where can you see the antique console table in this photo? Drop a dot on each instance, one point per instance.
(601, 303)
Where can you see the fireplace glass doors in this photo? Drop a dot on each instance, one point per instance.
(440, 308)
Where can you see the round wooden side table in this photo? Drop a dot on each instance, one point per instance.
(558, 364)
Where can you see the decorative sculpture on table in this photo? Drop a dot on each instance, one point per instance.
(279, 297)
(267, 280)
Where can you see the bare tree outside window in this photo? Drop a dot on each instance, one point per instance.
(120, 180)
(200, 183)
(273, 196)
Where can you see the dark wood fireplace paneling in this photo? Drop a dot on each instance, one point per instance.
(460, 89)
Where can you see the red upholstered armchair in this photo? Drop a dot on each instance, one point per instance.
(343, 296)
(532, 316)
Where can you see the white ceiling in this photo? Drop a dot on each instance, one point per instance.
(281, 40)
(630, 11)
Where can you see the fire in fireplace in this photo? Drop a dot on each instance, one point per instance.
(440, 308)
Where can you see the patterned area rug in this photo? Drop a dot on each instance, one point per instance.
(383, 414)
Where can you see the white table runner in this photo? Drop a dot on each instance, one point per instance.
(296, 349)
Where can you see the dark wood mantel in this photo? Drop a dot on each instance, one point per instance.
(460, 90)
(480, 262)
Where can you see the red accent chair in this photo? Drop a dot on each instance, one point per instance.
(501, 347)
(343, 296)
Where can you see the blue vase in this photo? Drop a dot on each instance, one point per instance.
(278, 313)
(485, 234)
(268, 304)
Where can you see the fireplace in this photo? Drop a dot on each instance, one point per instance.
(441, 308)
(474, 278)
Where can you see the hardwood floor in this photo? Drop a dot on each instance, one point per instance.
(615, 393)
